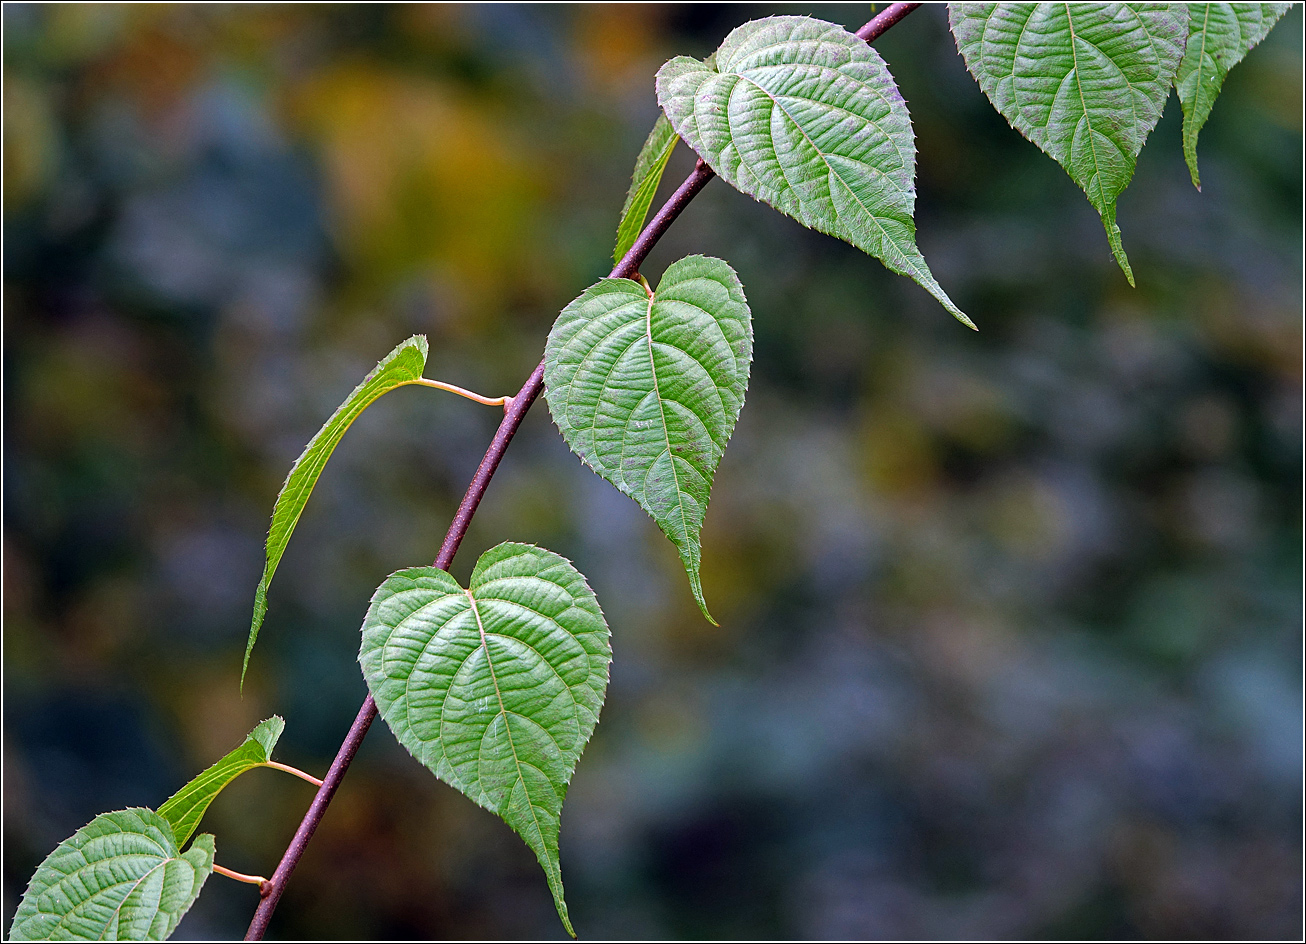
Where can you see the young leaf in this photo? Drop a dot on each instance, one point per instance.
(401, 366)
(1086, 82)
(646, 389)
(803, 115)
(652, 160)
(121, 877)
(495, 688)
(186, 807)
(1219, 35)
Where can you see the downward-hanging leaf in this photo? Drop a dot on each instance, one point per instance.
(186, 807)
(495, 688)
(401, 366)
(803, 115)
(1219, 35)
(1086, 82)
(650, 164)
(121, 877)
(646, 389)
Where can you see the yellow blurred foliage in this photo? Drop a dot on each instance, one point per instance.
(423, 182)
(616, 45)
(29, 141)
(77, 31)
(900, 457)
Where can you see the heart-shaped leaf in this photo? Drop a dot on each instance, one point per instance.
(803, 115)
(186, 807)
(1219, 35)
(403, 365)
(121, 877)
(646, 389)
(1086, 82)
(650, 164)
(495, 688)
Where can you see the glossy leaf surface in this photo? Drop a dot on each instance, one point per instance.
(1086, 82)
(650, 164)
(803, 115)
(646, 389)
(495, 688)
(121, 877)
(186, 807)
(401, 366)
(1219, 35)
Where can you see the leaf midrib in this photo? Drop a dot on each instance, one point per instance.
(130, 892)
(166, 858)
(507, 729)
(865, 86)
(1201, 58)
(320, 451)
(907, 260)
(206, 779)
(662, 412)
(620, 322)
(1079, 87)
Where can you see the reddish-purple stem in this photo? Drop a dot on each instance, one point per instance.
(884, 19)
(270, 891)
(514, 413)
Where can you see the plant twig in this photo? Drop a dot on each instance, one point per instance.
(272, 889)
(514, 412)
(884, 19)
(647, 239)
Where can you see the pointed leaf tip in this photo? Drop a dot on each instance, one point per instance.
(401, 366)
(647, 390)
(1058, 73)
(1219, 36)
(496, 688)
(837, 154)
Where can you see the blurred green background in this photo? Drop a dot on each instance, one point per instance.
(1010, 638)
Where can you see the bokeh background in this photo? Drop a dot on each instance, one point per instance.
(1011, 621)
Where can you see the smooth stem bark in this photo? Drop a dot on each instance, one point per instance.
(885, 19)
(515, 412)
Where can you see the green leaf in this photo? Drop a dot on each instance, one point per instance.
(495, 688)
(1086, 82)
(803, 115)
(650, 164)
(401, 366)
(1219, 35)
(646, 389)
(186, 807)
(121, 877)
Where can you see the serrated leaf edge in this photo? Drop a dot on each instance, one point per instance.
(552, 875)
(204, 841)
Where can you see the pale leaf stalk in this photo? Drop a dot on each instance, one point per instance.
(293, 770)
(462, 392)
(239, 876)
